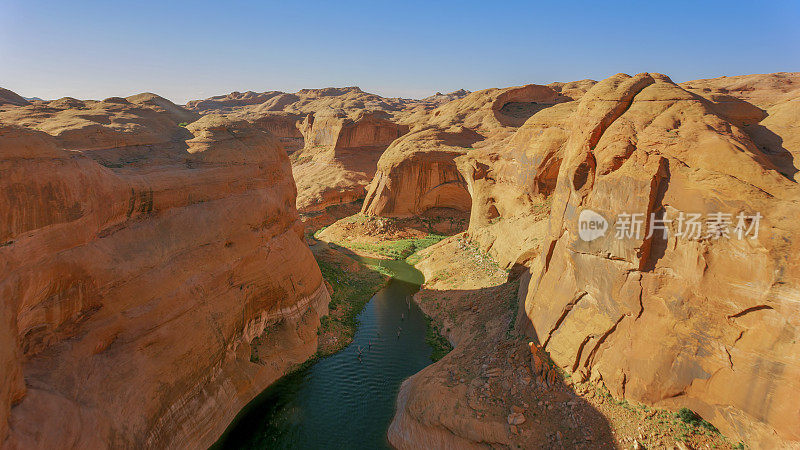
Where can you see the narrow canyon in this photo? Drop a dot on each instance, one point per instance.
(163, 264)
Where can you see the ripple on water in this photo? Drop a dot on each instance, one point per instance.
(341, 401)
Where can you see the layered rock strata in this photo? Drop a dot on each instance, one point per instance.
(151, 285)
(708, 322)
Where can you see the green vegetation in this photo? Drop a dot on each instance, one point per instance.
(691, 418)
(398, 249)
(433, 336)
(183, 124)
(254, 350)
(351, 291)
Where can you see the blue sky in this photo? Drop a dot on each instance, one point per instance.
(194, 49)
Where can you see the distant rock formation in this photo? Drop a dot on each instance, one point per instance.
(440, 99)
(155, 277)
(340, 156)
(11, 98)
(419, 172)
(178, 114)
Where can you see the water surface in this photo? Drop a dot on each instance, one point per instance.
(342, 401)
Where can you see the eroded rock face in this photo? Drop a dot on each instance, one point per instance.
(417, 173)
(134, 283)
(711, 324)
(340, 156)
(335, 130)
(767, 106)
(510, 184)
(11, 98)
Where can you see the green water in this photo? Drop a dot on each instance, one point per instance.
(344, 401)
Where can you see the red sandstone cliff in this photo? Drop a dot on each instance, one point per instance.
(138, 267)
(711, 324)
(418, 171)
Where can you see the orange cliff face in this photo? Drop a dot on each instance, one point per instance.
(140, 261)
(340, 156)
(709, 324)
(419, 170)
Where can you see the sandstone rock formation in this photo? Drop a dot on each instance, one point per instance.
(12, 98)
(178, 114)
(438, 98)
(277, 112)
(419, 172)
(767, 106)
(114, 123)
(138, 270)
(302, 102)
(340, 156)
(707, 323)
(333, 129)
(280, 124)
(510, 185)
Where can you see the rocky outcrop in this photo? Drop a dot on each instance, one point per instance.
(417, 173)
(138, 271)
(340, 156)
(335, 130)
(438, 98)
(282, 125)
(175, 112)
(350, 99)
(574, 90)
(11, 98)
(510, 185)
(711, 324)
(113, 125)
(494, 111)
(223, 103)
(766, 106)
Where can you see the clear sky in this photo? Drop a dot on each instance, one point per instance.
(194, 49)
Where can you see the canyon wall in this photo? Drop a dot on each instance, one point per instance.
(340, 156)
(511, 182)
(336, 130)
(154, 277)
(417, 173)
(709, 322)
(706, 321)
(419, 170)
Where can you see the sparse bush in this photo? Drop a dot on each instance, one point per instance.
(440, 345)
(690, 417)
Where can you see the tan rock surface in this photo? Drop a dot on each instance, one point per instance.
(113, 124)
(510, 184)
(11, 98)
(340, 156)
(134, 287)
(762, 90)
(708, 324)
(177, 113)
(419, 172)
(767, 106)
